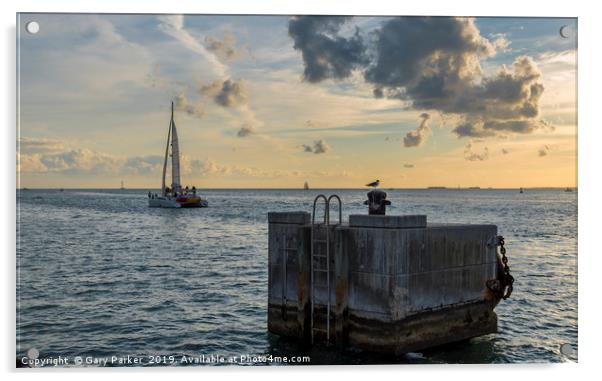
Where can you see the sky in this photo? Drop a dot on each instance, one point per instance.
(274, 101)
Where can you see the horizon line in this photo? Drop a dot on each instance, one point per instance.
(317, 188)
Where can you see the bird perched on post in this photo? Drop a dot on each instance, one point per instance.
(373, 184)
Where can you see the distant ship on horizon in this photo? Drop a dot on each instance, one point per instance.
(306, 186)
(437, 187)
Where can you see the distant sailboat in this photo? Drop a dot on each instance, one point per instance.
(521, 190)
(174, 196)
(306, 186)
(568, 190)
(122, 187)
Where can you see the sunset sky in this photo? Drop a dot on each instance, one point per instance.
(274, 101)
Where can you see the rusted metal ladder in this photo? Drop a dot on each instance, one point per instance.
(319, 256)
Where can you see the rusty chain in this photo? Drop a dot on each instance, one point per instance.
(508, 280)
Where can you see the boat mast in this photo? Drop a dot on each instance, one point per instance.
(167, 152)
(175, 156)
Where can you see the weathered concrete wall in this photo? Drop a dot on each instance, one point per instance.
(397, 284)
(397, 272)
(288, 273)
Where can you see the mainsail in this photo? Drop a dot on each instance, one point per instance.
(172, 138)
(175, 157)
(166, 153)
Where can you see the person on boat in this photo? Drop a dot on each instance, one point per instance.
(194, 190)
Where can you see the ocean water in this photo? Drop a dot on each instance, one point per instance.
(101, 274)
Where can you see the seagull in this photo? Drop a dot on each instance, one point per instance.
(373, 184)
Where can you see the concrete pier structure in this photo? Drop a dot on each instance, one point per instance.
(394, 284)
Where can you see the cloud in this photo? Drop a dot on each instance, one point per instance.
(232, 93)
(228, 93)
(501, 42)
(505, 151)
(39, 145)
(443, 72)
(470, 155)
(225, 91)
(83, 161)
(141, 165)
(182, 103)
(245, 130)
(544, 150)
(408, 165)
(320, 146)
(325, 53)
(225, 49)
(418, 136)
(173, 25)
(77, 161)
(430, 63)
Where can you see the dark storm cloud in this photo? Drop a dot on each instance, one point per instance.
(488, 128)
(325, 53)
(426, 57)
(433, 63)
(442, 72)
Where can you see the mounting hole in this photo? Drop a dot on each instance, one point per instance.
(32, 27)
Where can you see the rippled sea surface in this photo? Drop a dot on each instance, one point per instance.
(101, 274)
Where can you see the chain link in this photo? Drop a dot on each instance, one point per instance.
(508, 280)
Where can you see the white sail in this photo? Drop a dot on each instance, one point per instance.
(175, 159)
(166, 152)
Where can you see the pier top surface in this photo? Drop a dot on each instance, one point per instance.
(297, 218)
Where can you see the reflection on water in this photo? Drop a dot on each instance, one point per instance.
(100, 273)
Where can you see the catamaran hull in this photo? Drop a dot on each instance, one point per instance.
(172, 203)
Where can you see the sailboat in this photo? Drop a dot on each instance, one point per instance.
(122, 187)
(306, 186)
(175, 196)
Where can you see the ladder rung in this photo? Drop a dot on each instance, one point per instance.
(320, 240)
(320, 256)
(290, 249)
(321, 271)
(320, 329)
